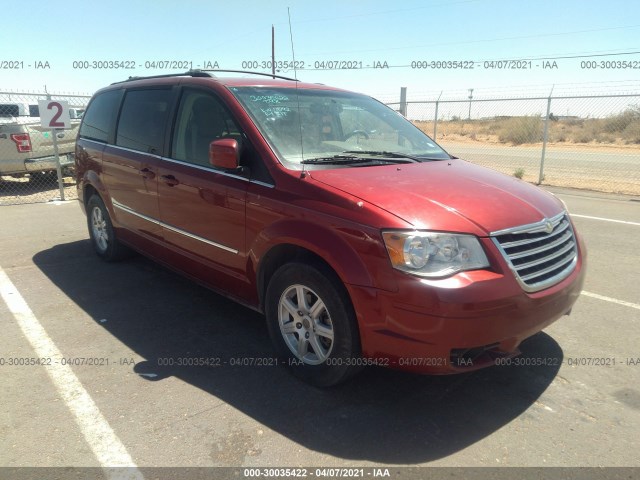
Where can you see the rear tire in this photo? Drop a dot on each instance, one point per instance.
(101, 232)
(312, 324)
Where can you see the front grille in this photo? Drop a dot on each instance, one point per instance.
(540, 254)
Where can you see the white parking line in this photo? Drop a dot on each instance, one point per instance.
(612, 300)
(104, 443)
(605, 219)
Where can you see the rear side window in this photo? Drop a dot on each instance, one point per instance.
(143, 120)
(99, 116)
(9, 110)
(18, 110)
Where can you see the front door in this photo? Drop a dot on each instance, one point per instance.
(203, 209)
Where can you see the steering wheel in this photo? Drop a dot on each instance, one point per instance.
(356, 132)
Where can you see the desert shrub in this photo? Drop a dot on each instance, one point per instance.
(572, 121)
(582, 137)
(530, 129)
(588, 132)
(493, 128)
(519, 130)
(519, 173)
(619, 122)
(631, 134)
(603, 137)
(558, 136)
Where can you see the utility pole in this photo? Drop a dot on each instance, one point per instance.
(470, 99)
(273, 52)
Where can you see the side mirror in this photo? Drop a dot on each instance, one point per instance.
(224, 153)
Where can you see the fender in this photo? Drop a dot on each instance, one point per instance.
(326, 243)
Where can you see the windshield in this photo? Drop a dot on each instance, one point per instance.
(323, 126)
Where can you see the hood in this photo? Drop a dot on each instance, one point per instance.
(446, 195)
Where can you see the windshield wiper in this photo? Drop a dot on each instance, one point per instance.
(352, 159)
(415, 158)
(383, 153)
(337, 159)
(370, 156)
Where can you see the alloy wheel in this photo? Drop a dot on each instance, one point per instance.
(305, 324)
(99, 229)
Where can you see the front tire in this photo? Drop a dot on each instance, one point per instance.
(312, 324)
(101, 232)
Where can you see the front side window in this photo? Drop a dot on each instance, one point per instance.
(99, 116)
(306, 125)
(143, 120)
(201, 120)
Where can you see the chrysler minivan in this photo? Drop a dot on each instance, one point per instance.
(360, 239)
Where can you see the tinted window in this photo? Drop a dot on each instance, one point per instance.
(9, 110)
(99, 116)
(34, 111)
(143, 120)
(201, 120)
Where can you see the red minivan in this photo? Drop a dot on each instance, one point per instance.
(360, 239)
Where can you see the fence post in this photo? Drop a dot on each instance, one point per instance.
(435, 119)
(544, 138)
(403, 101)
(54, 134)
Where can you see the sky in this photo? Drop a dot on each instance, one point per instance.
(66, 46)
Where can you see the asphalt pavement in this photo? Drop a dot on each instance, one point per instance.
(117, 398)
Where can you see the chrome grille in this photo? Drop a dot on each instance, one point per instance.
(540, 254)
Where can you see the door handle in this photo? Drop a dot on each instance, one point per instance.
(170, 180)
(147, 173)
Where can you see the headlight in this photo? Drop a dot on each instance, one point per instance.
(431, 254)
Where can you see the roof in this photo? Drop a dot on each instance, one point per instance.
(257, 79)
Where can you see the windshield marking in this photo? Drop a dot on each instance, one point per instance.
(322, 124)
(268, 98)
(278, 112)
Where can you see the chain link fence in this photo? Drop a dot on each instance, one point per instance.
(588, 142)
(30, 170)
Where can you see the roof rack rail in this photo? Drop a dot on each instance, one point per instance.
(205, 73)
(188, 73)
(251, 73)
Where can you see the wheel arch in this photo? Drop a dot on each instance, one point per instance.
(282, 254)
(88, 191)
(316, 245)
(93, 185)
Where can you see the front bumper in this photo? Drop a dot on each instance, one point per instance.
(458, 324)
